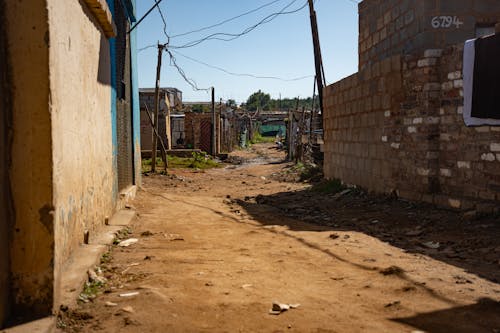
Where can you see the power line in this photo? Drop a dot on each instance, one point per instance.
(226, 21)
(267, 19)
(144, 16)
(191, 82)
(243, 74)
(164, 24)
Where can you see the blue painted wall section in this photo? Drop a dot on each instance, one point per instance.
(112, 52)
(136, 118)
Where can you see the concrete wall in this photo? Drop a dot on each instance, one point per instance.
(389, 27)
(32, 243)
(81, 126)
(5, 200)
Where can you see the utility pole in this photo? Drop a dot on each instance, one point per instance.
(219, 128)
(156, 107)
(214, 125)
(318, 62)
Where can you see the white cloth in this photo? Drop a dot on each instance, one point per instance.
(468, 73)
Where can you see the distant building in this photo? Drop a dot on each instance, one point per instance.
(175, 123)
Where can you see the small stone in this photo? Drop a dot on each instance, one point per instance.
(128, 309)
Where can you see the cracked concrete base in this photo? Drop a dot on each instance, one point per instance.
(87, 256)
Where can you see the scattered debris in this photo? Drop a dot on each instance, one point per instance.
(147, 233)
(431, 245)
(278, 308)
(148, 257)
(128, 309)
(173, 237)
(415, 233)
(392, 270)
(128, 242)
(341, 194)
(388, 305)
(94, 278)
(209, 284)
(110, 304)
(131, 294)
(461, 279)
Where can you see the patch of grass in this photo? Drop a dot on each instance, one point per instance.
(258, 138)
(329, 186)
(197, 161)
(146, 164)
(202, 161)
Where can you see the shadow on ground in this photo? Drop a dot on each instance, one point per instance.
(475, 318)
(473, 245)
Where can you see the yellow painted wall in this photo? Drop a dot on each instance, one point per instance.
(5, 115)
(32, 243)
(81, 126)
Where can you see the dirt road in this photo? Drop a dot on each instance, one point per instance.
(216, 248)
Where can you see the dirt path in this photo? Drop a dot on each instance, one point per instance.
(210, 258)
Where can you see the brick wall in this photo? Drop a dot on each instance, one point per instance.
(192, 130)
(354, 120)
(389, 27)
(397, 126)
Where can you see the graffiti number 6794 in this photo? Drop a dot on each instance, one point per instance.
(446, 22)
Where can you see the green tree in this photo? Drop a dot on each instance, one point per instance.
(258, 100)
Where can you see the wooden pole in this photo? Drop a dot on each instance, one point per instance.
(168, 125)
(157, 107)
(318, 62)
(311, 116)
(155, 133)
(219, 128)
(214, 125)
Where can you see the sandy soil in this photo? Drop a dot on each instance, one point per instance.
(217, 247)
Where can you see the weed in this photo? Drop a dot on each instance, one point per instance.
(90, 291)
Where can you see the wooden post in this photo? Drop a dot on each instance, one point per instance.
(318, 62)
(219, 129)
(168, 125)
(157, 107)
(155, 133)
(214, 126)
(311, 116)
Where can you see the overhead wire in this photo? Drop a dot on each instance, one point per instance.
(164, 23)
(189, 81)
(242, 74)
(265, 20)
(226, 20)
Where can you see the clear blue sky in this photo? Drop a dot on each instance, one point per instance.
(280, 48)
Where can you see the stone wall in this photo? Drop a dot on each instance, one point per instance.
(389, 27)
(397, 126)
